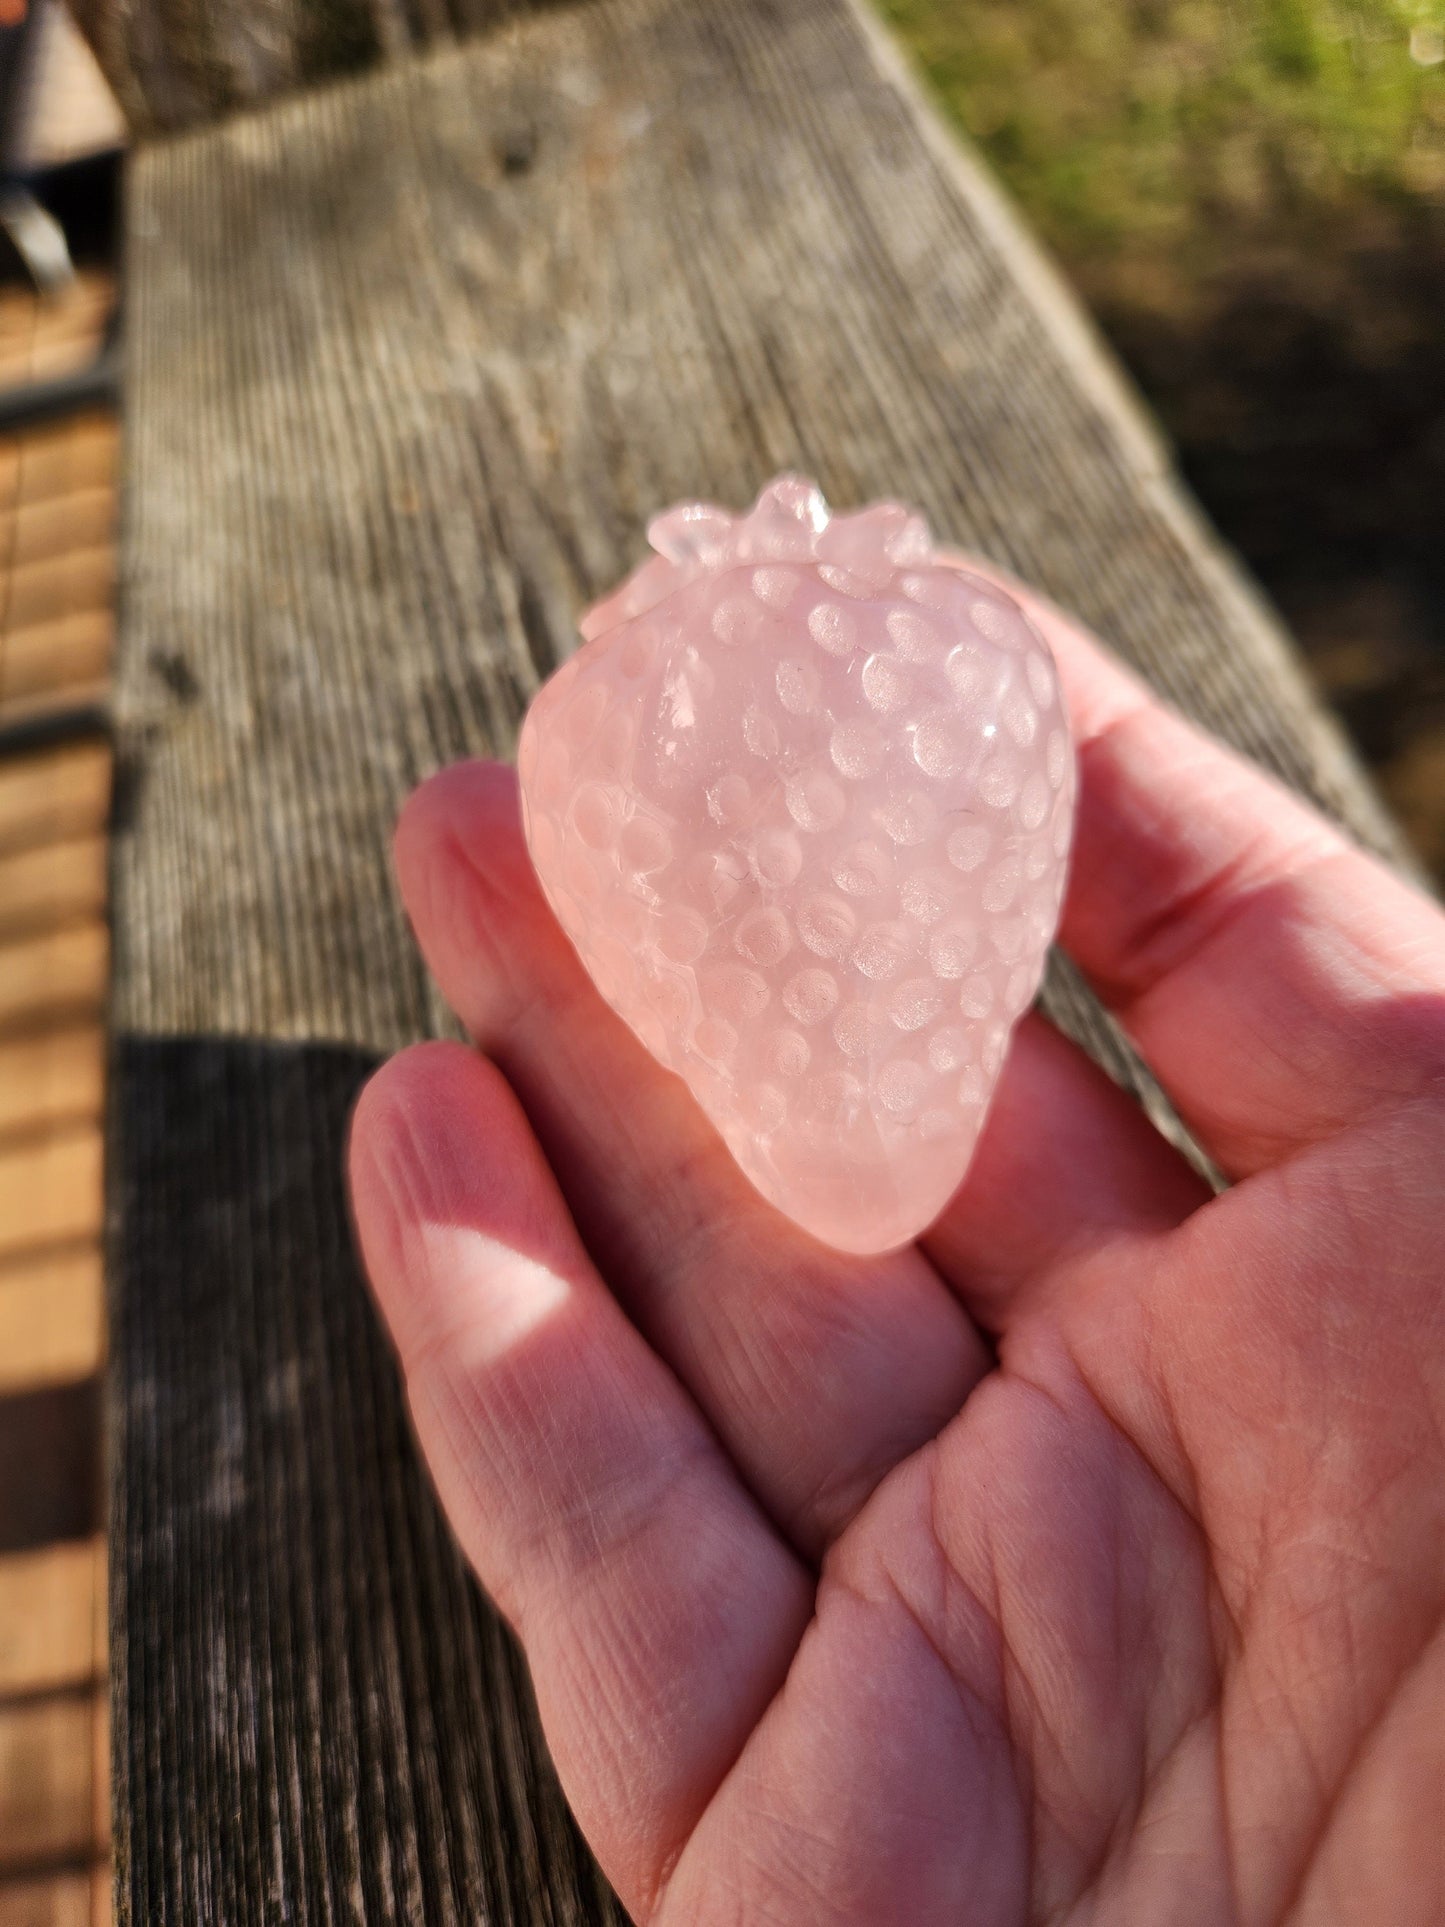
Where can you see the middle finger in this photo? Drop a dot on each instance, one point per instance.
(819, 1371)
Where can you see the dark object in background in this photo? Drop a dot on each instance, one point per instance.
(51, 221)
(80, 200)
(83, 195)
(18, 39)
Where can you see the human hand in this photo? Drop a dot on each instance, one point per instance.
(1084, 1562)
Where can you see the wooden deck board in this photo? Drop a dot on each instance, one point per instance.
(52, 1318)
(53, 795)
(50, 1191)
(53, 978)
(57, 487)
(59, 883)
(58, 524)
(76, 583)
(62, 460)
(48, 1617)
(55, 1900)
(46, 1768)
(398, 406)
(56, 657)
(57, 1078)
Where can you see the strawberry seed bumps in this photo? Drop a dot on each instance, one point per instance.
(802, 802)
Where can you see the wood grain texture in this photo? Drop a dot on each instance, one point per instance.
(445, 435)
(310, 1697)
(499, 305)
(177, 63)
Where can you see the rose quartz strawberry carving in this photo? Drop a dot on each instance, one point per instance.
(802, 801)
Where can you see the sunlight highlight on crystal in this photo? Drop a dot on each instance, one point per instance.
(802, 802)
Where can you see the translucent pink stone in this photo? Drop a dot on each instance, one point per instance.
(802, 801)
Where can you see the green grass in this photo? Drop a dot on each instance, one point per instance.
(1152, 141)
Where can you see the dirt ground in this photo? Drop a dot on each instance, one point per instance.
(1309, 416)
(1250, 195)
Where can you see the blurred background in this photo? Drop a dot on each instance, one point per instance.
(1250, 196)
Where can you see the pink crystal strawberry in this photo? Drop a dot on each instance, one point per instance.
(802, 802)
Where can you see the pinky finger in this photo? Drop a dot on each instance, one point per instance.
(658, 1609)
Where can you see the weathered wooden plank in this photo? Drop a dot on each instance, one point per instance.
(310, 1695)
(173, 63)
(52, 1319)
(429, 533)
(498, 306)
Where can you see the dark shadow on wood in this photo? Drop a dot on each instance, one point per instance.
(49, 1450)
(312, 1699)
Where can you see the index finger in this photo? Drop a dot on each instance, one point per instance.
(1279, 981)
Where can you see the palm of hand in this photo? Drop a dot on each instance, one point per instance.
(835, 1612)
